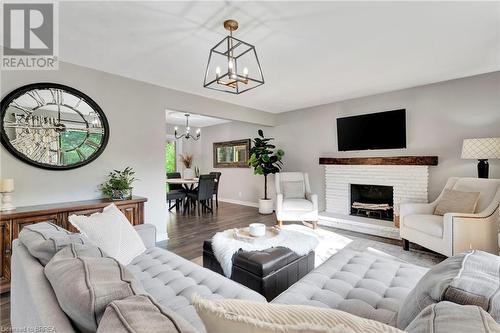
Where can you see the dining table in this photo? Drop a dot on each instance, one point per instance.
(188, 184)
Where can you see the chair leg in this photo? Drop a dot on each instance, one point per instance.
(206, 206)
(217, 200)
(406, 245)
(199, 204)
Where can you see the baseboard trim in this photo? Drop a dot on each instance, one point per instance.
(240, 202)
(161, 237)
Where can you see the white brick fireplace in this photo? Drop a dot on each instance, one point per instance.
(409, 183)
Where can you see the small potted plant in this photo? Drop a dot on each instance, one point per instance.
(187, 160)
(266, 160)
(119, 184)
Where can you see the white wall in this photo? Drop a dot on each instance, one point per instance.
(439, 117)
(136, 114)
(237, 184)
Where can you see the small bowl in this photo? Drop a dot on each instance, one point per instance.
(257, 229)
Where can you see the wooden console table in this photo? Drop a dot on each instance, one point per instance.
(11, 223)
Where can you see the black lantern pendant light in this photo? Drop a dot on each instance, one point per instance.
(233, 65)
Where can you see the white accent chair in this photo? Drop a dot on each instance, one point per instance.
(294, 200)
(454, 233)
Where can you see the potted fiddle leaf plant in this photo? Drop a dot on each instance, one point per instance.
(187, 160)
(265, 160)
(119, 184)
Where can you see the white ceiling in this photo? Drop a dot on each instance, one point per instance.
(311, 52)
(195, 120)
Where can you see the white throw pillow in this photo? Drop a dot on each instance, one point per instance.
(112, 232)
(293, 190)
(233, 315)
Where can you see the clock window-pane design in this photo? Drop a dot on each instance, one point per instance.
(53, 126)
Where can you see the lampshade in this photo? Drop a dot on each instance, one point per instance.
(481, 148)
(6, 185)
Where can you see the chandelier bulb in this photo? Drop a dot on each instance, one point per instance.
(245, 71)
(217, 71)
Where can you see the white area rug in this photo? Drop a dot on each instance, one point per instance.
(333, 240)
(330, 241)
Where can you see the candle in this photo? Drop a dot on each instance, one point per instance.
(7, 185)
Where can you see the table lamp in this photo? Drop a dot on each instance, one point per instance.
(6, 188)
(481, 149)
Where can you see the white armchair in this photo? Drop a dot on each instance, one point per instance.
(455, 232)
(294, 200)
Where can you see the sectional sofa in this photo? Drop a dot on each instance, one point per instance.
(366, 284)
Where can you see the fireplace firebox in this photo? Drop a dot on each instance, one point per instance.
(373, 201)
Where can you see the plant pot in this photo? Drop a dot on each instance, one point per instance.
(266, 206)
(122, 194)
(188, 173)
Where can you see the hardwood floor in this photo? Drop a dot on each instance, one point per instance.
(187, 233)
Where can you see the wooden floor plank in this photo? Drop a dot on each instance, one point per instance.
(187, 232)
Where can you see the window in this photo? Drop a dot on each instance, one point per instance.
(170, 157)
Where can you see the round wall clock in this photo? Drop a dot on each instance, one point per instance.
(53, 126)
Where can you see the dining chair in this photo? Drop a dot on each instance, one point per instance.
(216, 187)
(175, 192)
(203, 194)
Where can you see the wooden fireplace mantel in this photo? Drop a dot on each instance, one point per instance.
(394, 160)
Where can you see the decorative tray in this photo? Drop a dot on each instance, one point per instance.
(243, 234)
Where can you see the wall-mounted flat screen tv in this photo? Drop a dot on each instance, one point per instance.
(381, 130)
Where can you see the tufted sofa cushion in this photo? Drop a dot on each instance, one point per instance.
(173, 280)
(367, 284)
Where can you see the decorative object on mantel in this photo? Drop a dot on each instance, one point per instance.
(393, 160)
(187, 160)
(265, 161)
(119, 184)
(188, 134)
(481, 149)
(52, 126)
(230, 63)
(6, 188)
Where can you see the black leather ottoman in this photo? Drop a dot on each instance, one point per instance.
(268, 272)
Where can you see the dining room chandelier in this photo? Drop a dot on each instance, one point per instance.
(187, 134)
(233, 65)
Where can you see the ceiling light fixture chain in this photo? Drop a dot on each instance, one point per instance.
(187, 135)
